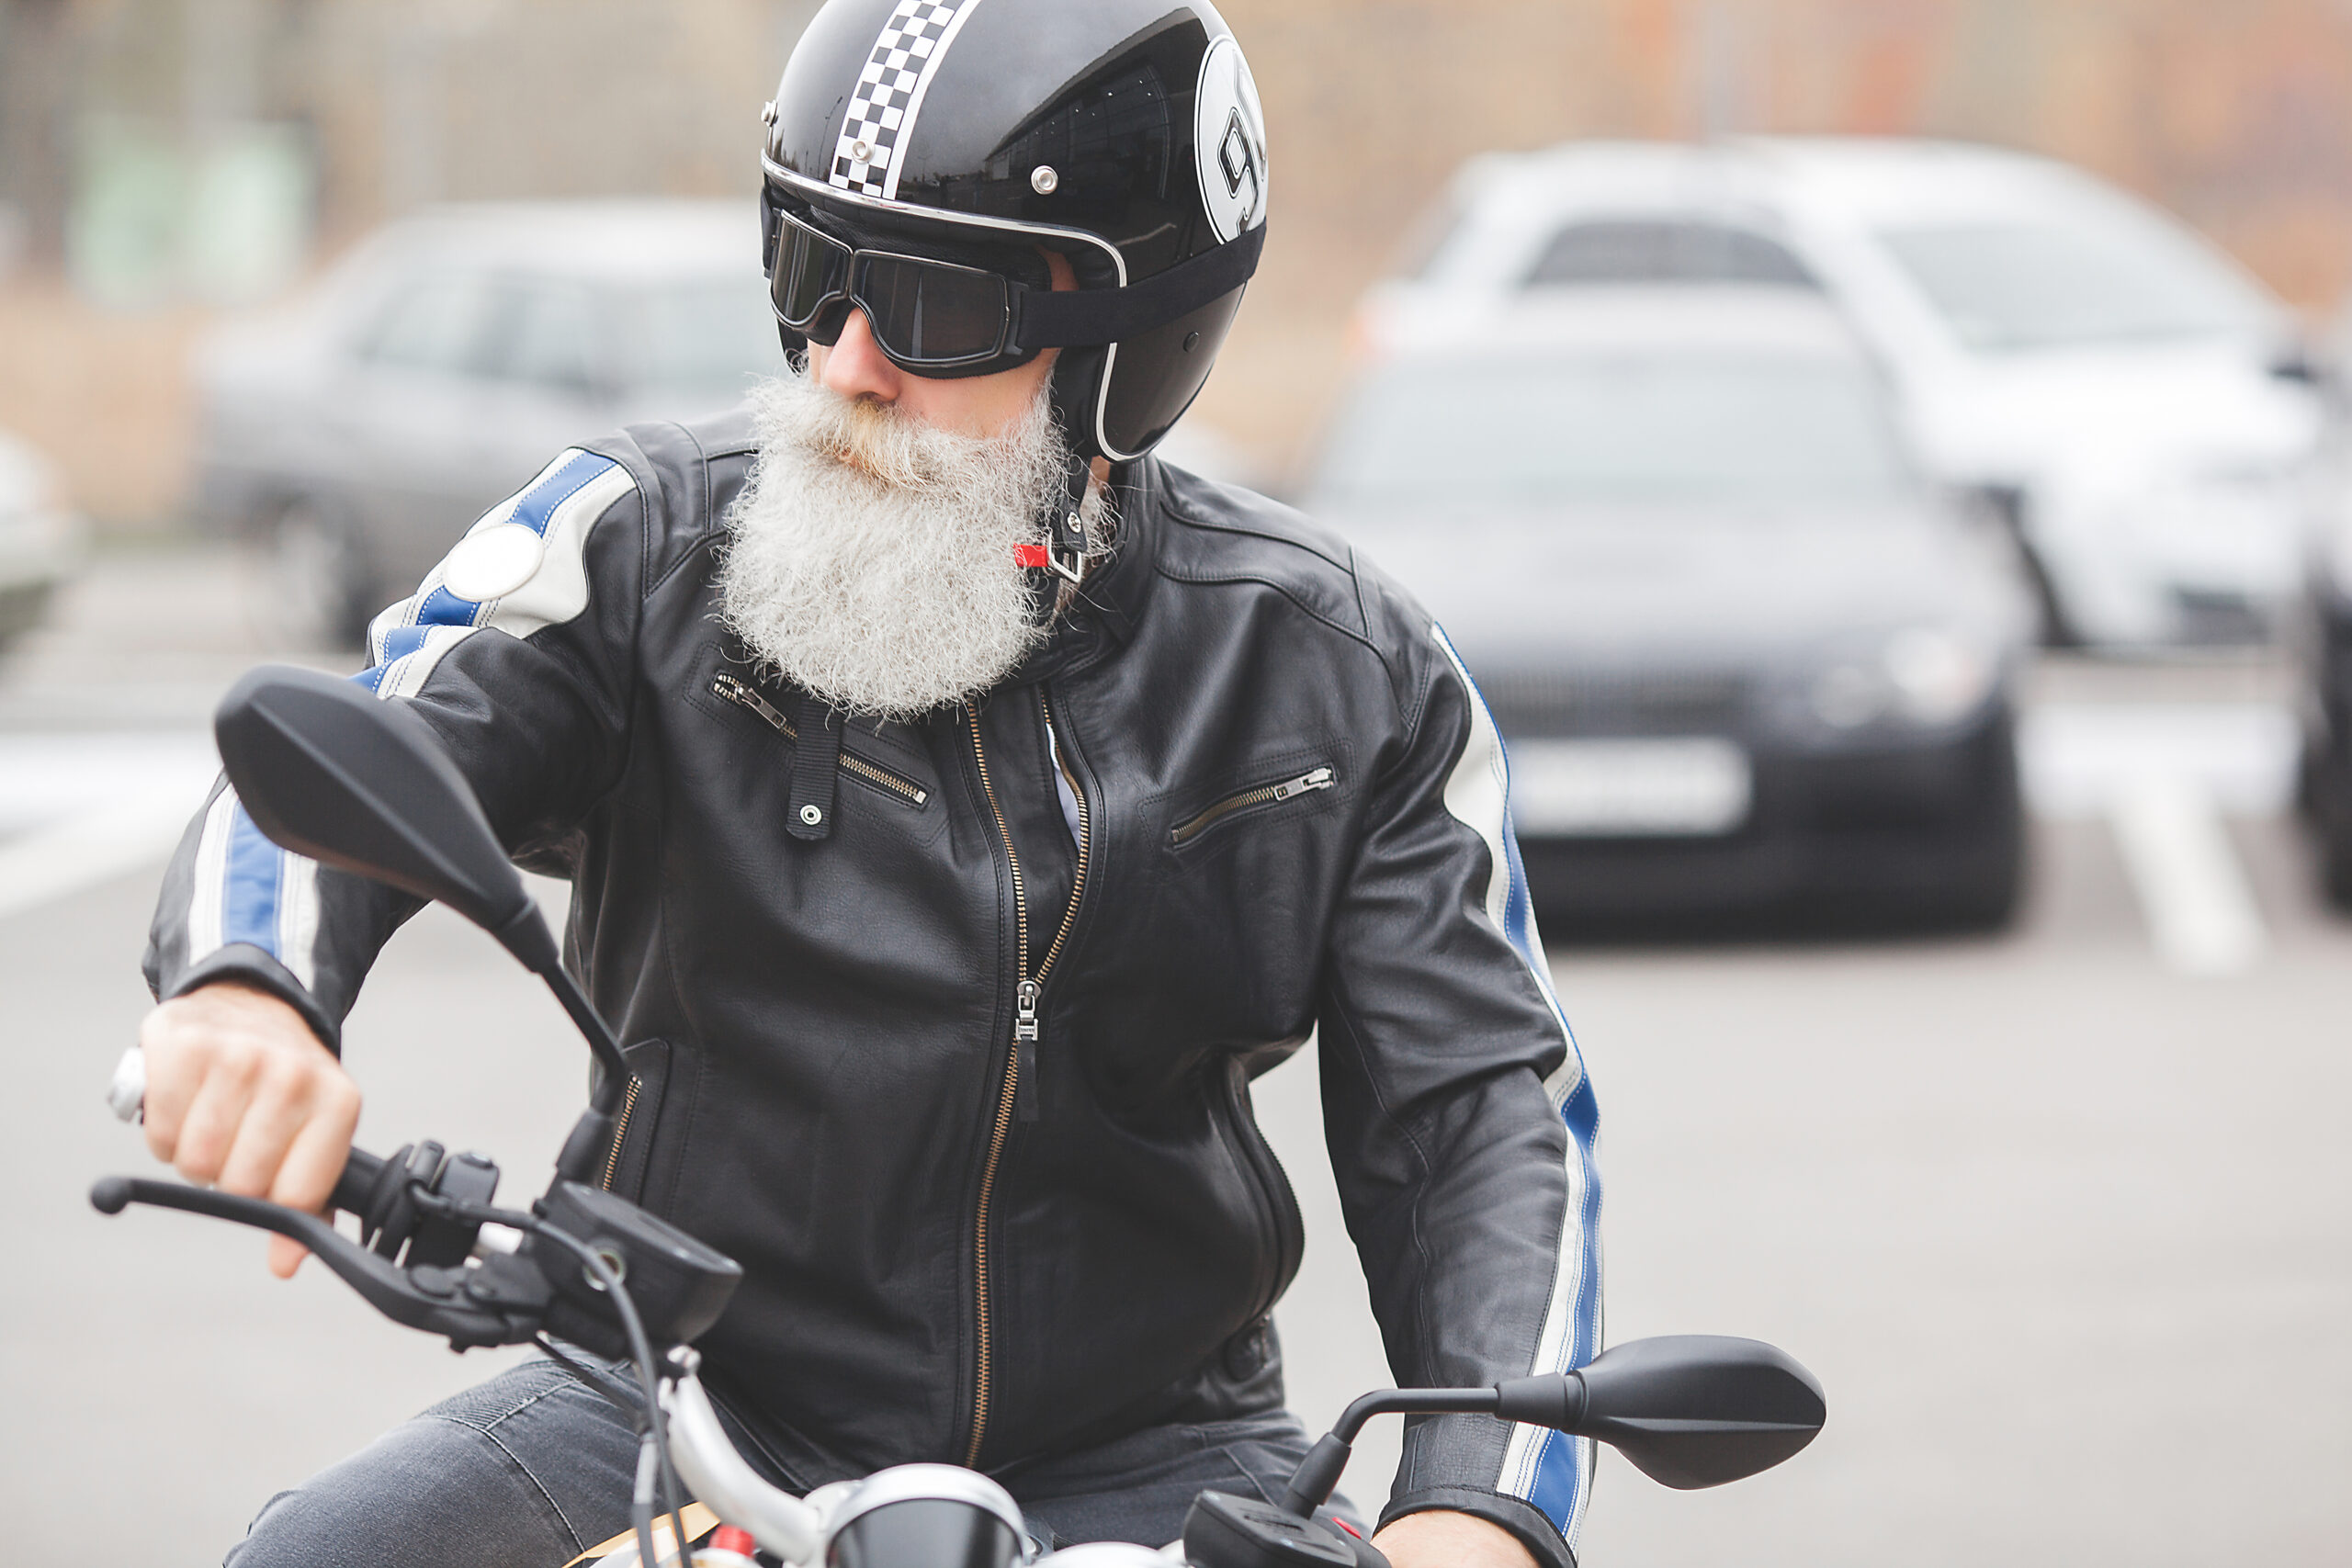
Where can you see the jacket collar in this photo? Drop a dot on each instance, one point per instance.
(1115, 592)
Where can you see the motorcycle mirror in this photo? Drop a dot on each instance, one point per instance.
(328, 770)
(1689, 1410)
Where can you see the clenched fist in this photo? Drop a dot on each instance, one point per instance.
(241, 1096)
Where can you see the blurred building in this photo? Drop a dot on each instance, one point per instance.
(175, 152)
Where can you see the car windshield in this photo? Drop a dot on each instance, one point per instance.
(1639, 427)
(708, 335)
(2097, 276)
(1665, 250)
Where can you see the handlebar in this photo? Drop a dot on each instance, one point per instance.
(435, 1305)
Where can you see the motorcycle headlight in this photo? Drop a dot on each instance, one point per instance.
(922, 1514)
(1923, 675)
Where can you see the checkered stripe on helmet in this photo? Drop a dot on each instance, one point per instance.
(889, 93)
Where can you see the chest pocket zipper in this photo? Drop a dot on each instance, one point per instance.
(1264, 795)
(743, 697)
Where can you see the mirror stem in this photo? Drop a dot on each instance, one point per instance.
(613, 1074)
(1319, 1473)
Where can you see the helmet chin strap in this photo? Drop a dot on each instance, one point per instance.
(1066, 552)
(1062, 559)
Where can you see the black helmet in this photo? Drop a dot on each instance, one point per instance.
(1125, 134)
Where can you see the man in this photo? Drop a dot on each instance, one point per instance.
(960, 808)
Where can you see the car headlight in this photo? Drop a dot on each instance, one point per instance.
(1923, 675)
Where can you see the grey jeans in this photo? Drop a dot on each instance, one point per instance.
(533, 1467)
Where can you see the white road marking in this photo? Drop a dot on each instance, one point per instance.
(2201, 913)
(84, 809)
(90, 847)
(2164, 775)
(2078, 757)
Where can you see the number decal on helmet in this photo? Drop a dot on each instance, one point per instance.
(1229, 137)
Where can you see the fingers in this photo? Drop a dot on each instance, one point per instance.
(312, 1164)
(208, 1130)
(242, 1095)
(314, 1158)
(173, 1074)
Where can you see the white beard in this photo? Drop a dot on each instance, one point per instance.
(872, 559)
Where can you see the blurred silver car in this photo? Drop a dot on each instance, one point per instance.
(2132, 399)
(41, 539)
(1743, 657)
(441, 364)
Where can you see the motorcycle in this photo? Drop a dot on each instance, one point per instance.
(327, 770)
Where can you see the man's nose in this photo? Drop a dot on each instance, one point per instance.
(856, 366)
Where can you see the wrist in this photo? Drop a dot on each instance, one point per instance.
(1443, 1538)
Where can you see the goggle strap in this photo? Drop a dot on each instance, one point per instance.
(1087, 317)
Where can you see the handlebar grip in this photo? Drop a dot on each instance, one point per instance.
(356, 1185)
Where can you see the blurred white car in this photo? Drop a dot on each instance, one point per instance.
(445, 360)
(2131, 399)
(41, 539)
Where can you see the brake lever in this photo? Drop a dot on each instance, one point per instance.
(499, 1303)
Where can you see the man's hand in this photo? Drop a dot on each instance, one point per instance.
(1440, 1539)
(241, 1096)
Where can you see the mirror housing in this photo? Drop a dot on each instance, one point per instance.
(329, 770)
(1688, 1410)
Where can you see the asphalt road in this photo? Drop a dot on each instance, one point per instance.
(2061, 1218)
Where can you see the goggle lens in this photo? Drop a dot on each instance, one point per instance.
(810, 269)
(924, 312)
(930, 312)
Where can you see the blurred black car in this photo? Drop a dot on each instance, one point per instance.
(2320, 637)
(1744, 658)
(446, 361)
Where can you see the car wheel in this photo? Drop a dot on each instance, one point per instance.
(324, 589)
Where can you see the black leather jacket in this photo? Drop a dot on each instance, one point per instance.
(958, 1244)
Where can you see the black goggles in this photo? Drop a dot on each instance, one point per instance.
(927, 315)
(942, 317)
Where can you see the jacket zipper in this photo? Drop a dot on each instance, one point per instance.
(1028, 989)
(1319, 778)
(620, 1131)
(740, 695)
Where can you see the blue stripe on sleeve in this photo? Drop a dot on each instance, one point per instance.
(403, 640)
(535, 509)
(443, 608)
(1559, 1482)
(249, 896)
(1558, 1485)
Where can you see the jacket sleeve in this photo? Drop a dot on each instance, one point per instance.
(528, 686)
(1460, 1124)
